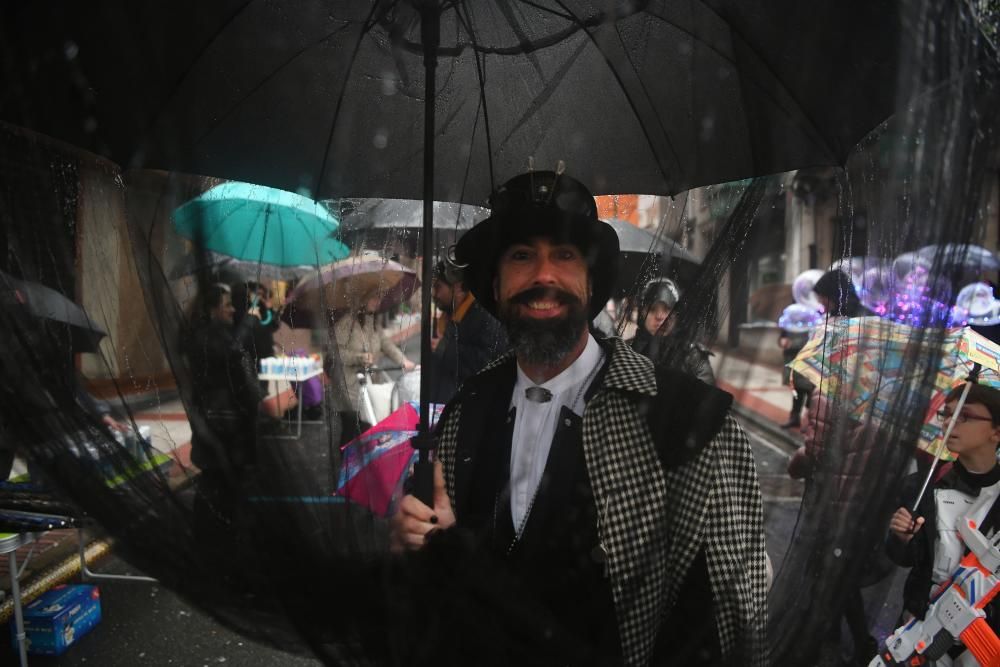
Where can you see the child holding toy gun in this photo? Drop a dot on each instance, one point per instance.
(929, 542)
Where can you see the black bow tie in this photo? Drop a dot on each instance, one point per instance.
(538, 394)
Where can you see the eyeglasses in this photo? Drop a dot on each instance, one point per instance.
(944, 416)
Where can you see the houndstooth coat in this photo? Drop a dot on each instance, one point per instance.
(668, 497)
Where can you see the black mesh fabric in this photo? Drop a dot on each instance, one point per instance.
(109, 121)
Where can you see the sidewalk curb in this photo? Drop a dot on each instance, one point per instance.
(778, 436)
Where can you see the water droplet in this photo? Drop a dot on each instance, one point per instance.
(389, 84)
(381, 139)
(837, 552)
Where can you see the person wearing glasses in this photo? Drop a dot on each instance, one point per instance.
(928, 542)
(611, 506)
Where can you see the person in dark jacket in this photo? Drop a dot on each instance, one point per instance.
(254, 322)
(471, 339)
(226, 401)
(658, 301)
(929, 542)
(791, 343)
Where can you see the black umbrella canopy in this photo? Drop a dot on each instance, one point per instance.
(329, 96)
(645, 255)
(47, 304)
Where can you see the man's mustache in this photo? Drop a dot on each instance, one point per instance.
(545, 294)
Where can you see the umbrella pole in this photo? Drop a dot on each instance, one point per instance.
(423, 474)
(969, 381)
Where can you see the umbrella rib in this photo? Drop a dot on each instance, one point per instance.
(194, 62)
(245, 252)
(369, 23)
(632, 103)
(224, 117)
(811, 125)
(537, 44)
(216, 229)
(481, 80)
(305, 226)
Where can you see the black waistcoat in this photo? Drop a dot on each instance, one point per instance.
(555, 555)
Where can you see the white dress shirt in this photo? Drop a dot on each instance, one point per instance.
(535, 425)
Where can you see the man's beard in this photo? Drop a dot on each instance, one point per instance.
(543, 341)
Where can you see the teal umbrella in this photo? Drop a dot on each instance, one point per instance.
(261, 224)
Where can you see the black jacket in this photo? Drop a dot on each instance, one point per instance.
(464, 349)
(695, 361)
(226, 395)
(918, 553)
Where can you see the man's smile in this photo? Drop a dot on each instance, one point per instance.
(540, 308)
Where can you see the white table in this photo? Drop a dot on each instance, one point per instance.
(299, 378)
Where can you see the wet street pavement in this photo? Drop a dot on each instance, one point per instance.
(146, 624)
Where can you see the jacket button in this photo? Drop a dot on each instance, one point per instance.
(567, 421)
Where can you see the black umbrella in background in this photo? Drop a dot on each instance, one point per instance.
(391, 224)
(645, 255)
(363, 215)
(47, 304)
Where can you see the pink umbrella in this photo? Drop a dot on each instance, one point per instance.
(377, 462)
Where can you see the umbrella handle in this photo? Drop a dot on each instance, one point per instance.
(423, 469)
(969, 381)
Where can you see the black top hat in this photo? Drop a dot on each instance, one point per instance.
(540, 203)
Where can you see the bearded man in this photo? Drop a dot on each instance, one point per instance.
(623, 498)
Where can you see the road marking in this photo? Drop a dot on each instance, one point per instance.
(760, 440)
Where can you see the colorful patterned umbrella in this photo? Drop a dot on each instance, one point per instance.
(869, 353)
(376, 463)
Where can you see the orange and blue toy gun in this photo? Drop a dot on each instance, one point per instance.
(955, 614)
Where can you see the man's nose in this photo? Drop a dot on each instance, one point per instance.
(545, 271)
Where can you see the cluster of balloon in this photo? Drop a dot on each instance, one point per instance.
(806, 313)
(976, 305)
(798, 318)
(802, 289)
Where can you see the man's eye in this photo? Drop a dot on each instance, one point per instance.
(519, 255)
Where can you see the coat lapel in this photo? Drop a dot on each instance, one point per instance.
(629, 489)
